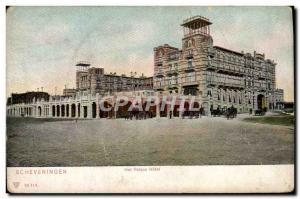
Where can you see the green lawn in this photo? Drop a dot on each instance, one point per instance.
(282, 119)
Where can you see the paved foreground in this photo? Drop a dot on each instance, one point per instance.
(205, 141)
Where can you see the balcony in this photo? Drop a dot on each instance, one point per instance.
(159, 63)
(262, 77)
(211, 65)
(231, 85)
(159, 74)
(212, 82)
(190, 83)
(211, 52)
(173, 56)
(221, 84)
(189, 56)
(159, 87)
(228, 69)
(173, 86)
(172, 72)
(190, 68)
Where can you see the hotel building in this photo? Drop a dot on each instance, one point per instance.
(216, 76)
(220, 77)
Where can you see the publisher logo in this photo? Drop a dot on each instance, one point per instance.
(16, 184)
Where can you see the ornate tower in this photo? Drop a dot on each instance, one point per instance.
(197, 45)
(197, 37)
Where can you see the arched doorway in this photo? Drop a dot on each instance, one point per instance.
(94, 110)
(186, 109)
(123, 110)
(261, 102)
(73, 110)
(57, 111)
(195, 109)
(85, 111)
(103, 113)
(176, 110)
(151, 109)
(78, 109)
(67, 111)
(63, 110)
(39, 111)
(163, 113)
(53, 110)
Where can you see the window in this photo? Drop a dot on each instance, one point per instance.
(160, 69)
(189, 43)
(176, 66)
(186, 44)
(209, 93)
(190, 63)
(160, 82)
(209, 59)
(190, 77)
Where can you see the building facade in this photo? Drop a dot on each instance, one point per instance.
(279, 99)
(91, 80)
(213, 76)
(219, 76)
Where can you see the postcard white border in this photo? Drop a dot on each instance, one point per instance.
(164, 179)
(3, 3)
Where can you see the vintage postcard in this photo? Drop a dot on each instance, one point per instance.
(112, 99)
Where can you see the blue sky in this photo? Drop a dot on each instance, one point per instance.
(43, 43)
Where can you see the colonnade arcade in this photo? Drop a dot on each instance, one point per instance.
(91, 109)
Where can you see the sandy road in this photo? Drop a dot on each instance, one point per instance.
(205, 141)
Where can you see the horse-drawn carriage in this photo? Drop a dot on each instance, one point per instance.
(228, 113)
(231, 113)
(259, 112)
(217, 112)
(193, 114)
(138, 115)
